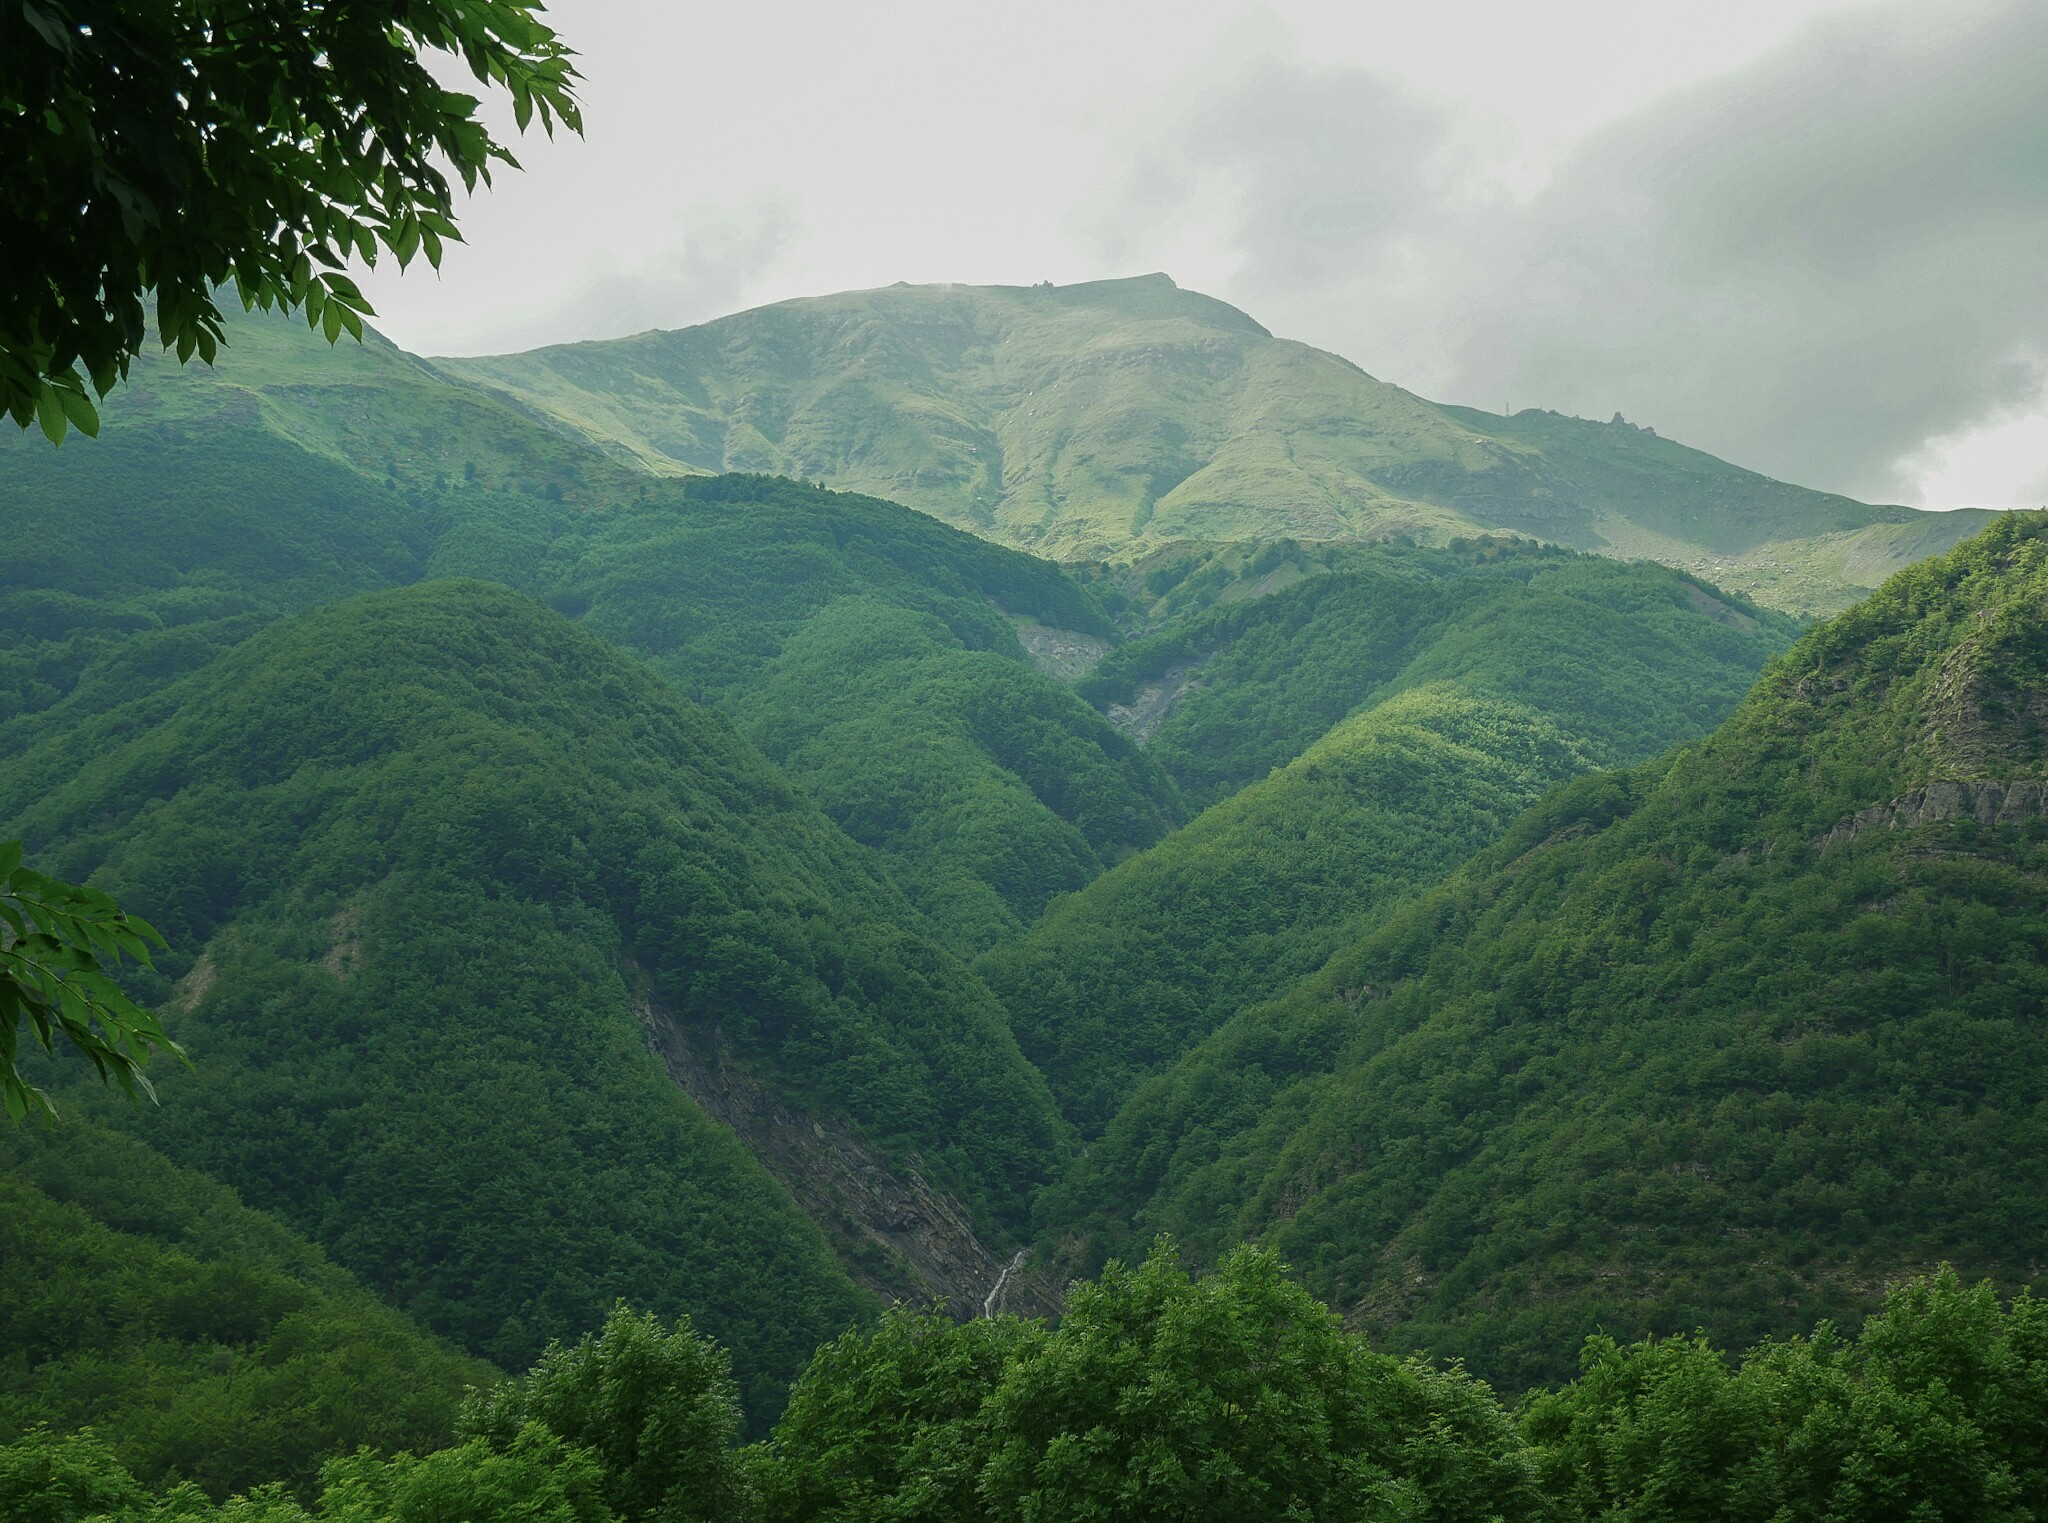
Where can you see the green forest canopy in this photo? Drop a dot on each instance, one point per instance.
(1721, 1041)
(463, 843)
(1230, 1397)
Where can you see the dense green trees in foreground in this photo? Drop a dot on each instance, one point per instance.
(1232, 1398)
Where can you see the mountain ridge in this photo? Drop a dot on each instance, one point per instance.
(1103, 420)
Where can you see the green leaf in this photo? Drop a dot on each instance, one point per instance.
(79, 410)
(50, 413)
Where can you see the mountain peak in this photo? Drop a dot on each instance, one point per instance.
(1107, 419)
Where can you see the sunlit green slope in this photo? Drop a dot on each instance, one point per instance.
(1724, 1041)
(442, 871)
(199, 1337)
(1472, 681)
(1102, 420)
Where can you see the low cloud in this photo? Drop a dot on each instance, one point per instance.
(719, 261)
(1819, 265)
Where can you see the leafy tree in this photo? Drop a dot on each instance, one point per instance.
(52, 938)
(1236, 1397)
(1936, 1413)
(889, 1423)
(45, 1478)
(182, 145)
(535, 1478)
(658, 1409)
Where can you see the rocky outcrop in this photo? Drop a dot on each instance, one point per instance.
(896, 1232)
(1153, 702)
(1987, 803)
(1062, 653)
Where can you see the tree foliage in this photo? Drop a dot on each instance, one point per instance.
(658, 1409)
(199, 1338)
(171, 148)
(55, 941)
(1226, 1396)
(1936, 1413)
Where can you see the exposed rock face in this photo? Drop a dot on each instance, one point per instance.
(1984, 802)
(1153, 702)
(1989, 705)
(897, 1233)
(1061, 653)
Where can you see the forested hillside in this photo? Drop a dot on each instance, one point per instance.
(284, 479)
(1473, 680)
(1725, 1041)
(1018, 904)
(1633, 654)
(201, 1338)
(439, 870)
(874, 655)
(567, 870)
(1104, 420)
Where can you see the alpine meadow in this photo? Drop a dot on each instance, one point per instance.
(1011, 903)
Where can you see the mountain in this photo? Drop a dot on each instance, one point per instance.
(878, 658)
(290, 476)
(493, 957)
(1397, 714)
(201, 1338)
(1101, 421)
(1726, 1041)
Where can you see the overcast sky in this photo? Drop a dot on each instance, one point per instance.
(1808, 235)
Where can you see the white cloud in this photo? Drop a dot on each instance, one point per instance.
(2001, 462)
(1811, 265)
(1807, 244)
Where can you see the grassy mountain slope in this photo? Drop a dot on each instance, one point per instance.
(292, 475)
(1473, 681)
(440, 858)
(1102, 420)
(1724, 1041)
(197, 1336)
